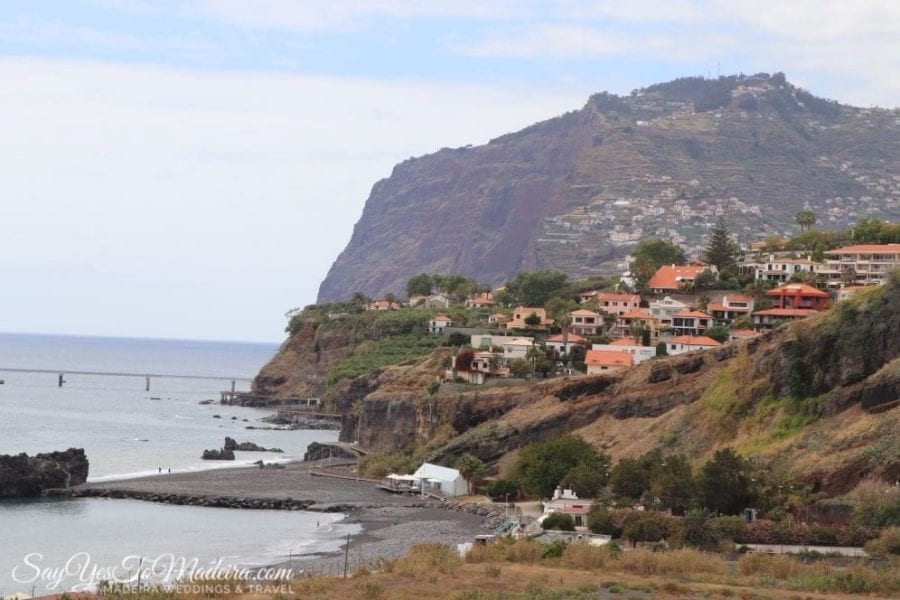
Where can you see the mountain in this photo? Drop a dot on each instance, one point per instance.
(576, 191)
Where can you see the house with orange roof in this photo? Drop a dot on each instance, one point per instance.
(382, 305)
(498, 319)
(485, 300)
(639, 318)
(585, 322)
(638, 353)
(665, 310)
(438, 323)
(798, 295)
(563, 343)
(732, 306)
(862, 264)
(672, 278)
(680, 344)
(600, 361)
(416, 300)
(521, 313)
(773, 317)
(617, 304)
(691, 322)
(437, 301)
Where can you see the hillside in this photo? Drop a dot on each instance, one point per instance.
(576, 191)
(817, 399)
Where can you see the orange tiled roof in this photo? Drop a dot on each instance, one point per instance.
(583, 313)
(694, 313)
(667, 276)
(608, 358)
(867, 249)
(573, 339)
(441, 318)
(692, 340)
(636, 314)
(608, 296)
(786, 312)
(795, 288)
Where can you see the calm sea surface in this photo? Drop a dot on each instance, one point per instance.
(128, 432)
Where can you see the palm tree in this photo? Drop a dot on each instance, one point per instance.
(805, 219)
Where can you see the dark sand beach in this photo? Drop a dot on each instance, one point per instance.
(391, 524)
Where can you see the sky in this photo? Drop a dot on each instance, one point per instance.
(191, 169)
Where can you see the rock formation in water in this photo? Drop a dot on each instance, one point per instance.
(24, 476)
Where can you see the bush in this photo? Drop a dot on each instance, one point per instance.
(685, 561)
(554, 550)
(558, 521)
(379, 465)
(499, 489)
(586, 556)
(600, 520)
(542, 466)
(428, 557)
(649, 528)
(887, 543)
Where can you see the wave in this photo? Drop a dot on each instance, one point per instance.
(211, 466)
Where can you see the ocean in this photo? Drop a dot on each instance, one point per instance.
(128, 432)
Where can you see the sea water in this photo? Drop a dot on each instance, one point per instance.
(128, 432)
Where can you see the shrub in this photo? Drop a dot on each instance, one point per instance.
(676, 562)
(649, 528)
(542, 466)
(428, 557)
(600, 520)
(585, 556)
(887, 543)
(559, 521)
(777, 566)
(499, 489)
(554, 550)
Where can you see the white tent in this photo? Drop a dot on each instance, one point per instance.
(446, 481)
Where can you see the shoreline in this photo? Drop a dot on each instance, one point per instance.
(389, 524)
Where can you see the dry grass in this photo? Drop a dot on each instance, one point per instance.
(675, 563)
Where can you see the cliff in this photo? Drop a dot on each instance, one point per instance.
(574, 192)
(817, 399)
(28, 476)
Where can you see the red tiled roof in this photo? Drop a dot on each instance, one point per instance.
(636, 314)
(608, 358)
(608, 296)
(583, 313)
(695, 314)
(623, 342)
(666, 278)
(573, 339)
(441, 318)
(867, 249)
(786, 312)
(692, 340)
(797, 288)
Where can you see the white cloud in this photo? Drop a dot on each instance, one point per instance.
(240, 188)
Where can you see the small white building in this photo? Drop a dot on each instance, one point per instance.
(439, 323)
(516, 347)
(638, 353)
(441, 480)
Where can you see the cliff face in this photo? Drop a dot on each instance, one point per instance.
(24, 476)
(819, 398)
(572, 192)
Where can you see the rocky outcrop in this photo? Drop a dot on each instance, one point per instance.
(23, 476)
(316, 451)
(222, 454)
(232, 446)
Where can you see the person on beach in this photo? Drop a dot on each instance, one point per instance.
(160, 470)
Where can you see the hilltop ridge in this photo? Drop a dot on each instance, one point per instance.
(576, 191)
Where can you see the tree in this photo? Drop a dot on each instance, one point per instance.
(661, 349)
(600, 520)
(649, 255)
(629, 479)
(706, 280)
(464, 360)
(558, 521)
(805, 219)
(533, 320)
(519, 368)
(718, 333)
(648, 528)
(541, 467)
(587, 481)
(725, 483)
(645, 337)
(419, 285)
(722, 250)
(672, 484)
(534, 289)
(502, 489)
(558, 309)
(472, 469)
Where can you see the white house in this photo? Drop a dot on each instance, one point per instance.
(599, 362)
(638, 353)
(437, 301)
(585, 322)
(516, 347)
(438, 323)
(680, 344)
(562, 345)
(441, 480)
(665, 310)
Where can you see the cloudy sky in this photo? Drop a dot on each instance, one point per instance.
(191, 169)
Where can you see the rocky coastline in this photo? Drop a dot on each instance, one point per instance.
(23, 476)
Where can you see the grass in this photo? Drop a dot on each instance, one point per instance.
(370, 355)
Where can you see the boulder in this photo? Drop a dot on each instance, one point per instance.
(24, 476)
(222, 454)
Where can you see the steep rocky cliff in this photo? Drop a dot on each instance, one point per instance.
(27, 476)
(818, 398)
(573, 192)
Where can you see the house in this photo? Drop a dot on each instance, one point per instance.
(640, 318)
(438, 323)
(798, 295)
(498, 319)
(692, 322)
(485, 300)
(521, 313)
(782, 269)
(586, 297)
(416, 300)
(732, 306)
(680, 344)
(773, 317)
(638, 353)
(600, 361)
(617, 304)
(383, 305)
(672, 278)
(665, 310)
(568, 502)
(484, 365)
(441, 480)
(864, 264)
(742, 334)
(516, 347)
(563, 343)
(437, 301)
(585, 322)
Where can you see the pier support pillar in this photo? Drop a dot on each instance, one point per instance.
(232, 386)
(61, 380)
(147, 382)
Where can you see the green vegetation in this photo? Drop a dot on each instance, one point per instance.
(722, 251)
(471, 468)
(559, 521)
(541, 467)
(535, 289)
(649, 255)
(371, 356)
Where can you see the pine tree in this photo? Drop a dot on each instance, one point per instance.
(722, 250)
